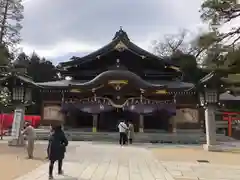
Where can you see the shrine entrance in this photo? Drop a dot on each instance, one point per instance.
(159, 121)
(78, 120)
(108, 121)
(104, 117)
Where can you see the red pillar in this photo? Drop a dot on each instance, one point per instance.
(229, 125)
(1, 124)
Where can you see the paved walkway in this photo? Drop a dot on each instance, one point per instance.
(96, 161)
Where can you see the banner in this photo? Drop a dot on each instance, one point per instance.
(86, 107)
(151, 108)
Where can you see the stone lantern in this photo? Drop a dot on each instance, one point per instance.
(20, 87)
(209, 89)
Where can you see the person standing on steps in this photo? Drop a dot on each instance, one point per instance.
(30, 133)
(122, 127)
(130, 132)
(56, 149)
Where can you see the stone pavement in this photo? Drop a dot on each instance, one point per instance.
(96, 161)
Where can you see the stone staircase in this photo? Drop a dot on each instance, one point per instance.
(175, 138)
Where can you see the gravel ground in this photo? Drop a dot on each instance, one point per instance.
(14, 162)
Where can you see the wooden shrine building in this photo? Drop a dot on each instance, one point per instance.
(120, 81)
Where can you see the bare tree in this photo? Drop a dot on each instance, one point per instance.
(179, 43)
(170, 44)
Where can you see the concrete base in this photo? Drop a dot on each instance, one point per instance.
(174, 130)
(213, 148)
(16, 142)
(141, 130)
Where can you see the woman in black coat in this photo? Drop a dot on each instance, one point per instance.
(56, 149)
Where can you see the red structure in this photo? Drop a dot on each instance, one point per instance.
(230, 117)
(6, 121)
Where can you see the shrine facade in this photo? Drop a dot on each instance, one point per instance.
(120, 81)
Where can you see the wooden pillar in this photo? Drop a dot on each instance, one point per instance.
(95, 122)
(141, 123)
(174, 124)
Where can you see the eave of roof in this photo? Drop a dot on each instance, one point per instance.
(22, 77)
(232, 79)
(213, 76)
(228, 97)
(68, 83)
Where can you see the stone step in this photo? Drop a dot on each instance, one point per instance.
(180, 138)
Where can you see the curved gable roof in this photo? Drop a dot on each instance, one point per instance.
(120, 40)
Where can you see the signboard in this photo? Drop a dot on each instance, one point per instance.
(187, 115)
(162, 91)
(52, 112)
(17, 120)
(75, 90)
(118, 82)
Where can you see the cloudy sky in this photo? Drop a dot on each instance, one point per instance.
(58, 29)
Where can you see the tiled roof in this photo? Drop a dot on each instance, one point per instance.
(228, 97)
(120, 37)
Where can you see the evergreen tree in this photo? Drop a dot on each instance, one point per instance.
(10, 22)
(22, 60)
(41, 70)
(220, 44)
(5, 56)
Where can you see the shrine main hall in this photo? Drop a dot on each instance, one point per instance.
(120, 81)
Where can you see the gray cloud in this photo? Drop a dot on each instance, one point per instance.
(48, 22)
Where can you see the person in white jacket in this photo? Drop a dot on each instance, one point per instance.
(122, 127)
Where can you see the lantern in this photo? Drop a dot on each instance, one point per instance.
(21, 94)
(208, 96)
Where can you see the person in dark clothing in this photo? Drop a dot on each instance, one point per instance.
(56, 149)
(50, 134)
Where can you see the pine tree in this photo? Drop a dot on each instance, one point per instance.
(5, 56)
(224, 36)
(11, 15)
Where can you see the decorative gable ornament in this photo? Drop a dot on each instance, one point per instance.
(118, 84)
(120, 47)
